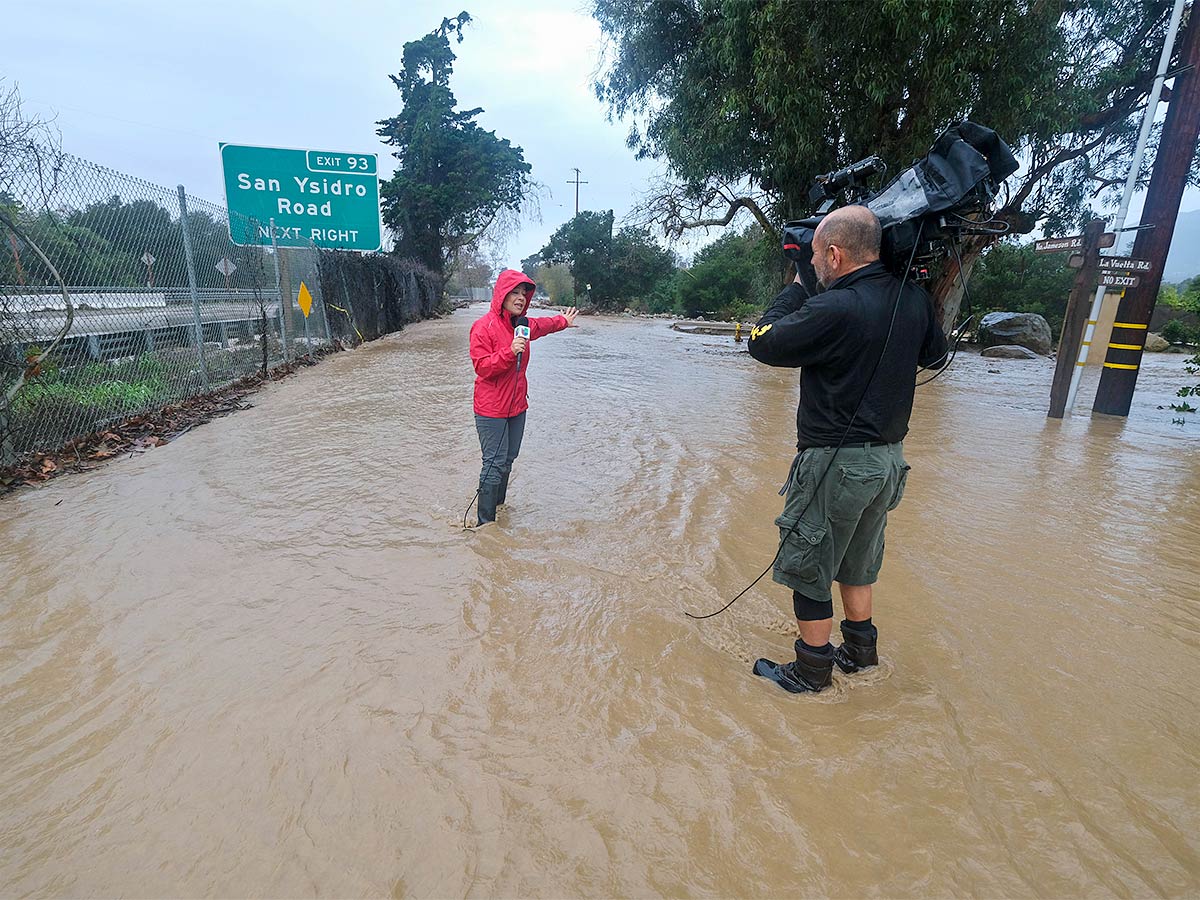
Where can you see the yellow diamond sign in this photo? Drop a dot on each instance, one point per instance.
(304, 299)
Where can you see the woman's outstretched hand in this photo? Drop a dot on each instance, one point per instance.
(570, 315)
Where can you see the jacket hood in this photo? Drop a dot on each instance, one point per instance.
(508, 280)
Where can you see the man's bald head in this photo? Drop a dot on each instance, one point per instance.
(846, 239)
(853, 228)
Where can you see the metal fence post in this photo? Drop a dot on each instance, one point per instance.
(8, 452)
(284, 304)
(191, 274)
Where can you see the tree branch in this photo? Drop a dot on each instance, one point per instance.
(735, 204)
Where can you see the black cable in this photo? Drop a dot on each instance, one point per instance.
(841, 440)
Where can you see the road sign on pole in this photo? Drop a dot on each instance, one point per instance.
(226, 267)
(1108, 279)
(148, 260)
(1114, 263)
(304, 299)
(1126, 264)
(322, 197)
(1073, 242)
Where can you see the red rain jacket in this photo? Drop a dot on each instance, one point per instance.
(500, 391)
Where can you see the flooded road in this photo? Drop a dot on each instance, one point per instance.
(264, 661)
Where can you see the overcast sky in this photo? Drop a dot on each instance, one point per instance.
(151, 88)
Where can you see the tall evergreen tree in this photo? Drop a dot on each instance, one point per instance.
(455, 178)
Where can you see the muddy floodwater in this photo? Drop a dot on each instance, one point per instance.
(264, 661)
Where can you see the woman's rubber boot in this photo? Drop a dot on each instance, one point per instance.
(487, 503)
(503, 490)
(811, 672)
(858, 650)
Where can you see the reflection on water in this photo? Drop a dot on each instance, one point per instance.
(264, 661)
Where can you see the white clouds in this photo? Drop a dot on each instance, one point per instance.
(150, 89)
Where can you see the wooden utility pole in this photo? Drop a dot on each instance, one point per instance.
(577, 183)
(1176, 148)
(1075, 317)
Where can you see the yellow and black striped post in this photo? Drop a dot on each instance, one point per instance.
(1173, 162)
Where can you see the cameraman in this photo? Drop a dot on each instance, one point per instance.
(856, 395)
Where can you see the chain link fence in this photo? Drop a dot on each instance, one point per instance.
(160, 303)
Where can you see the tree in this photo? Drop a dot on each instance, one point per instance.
(556, 281)
(624, 269)
(471, 272)
(748, 102)
(733, 277)
(585, 245)
(640, 265)
(455, 179)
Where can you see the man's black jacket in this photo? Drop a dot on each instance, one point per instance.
(837, 337)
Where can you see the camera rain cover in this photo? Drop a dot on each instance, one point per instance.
(953, 168)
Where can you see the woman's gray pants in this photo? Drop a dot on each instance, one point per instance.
(500, 441)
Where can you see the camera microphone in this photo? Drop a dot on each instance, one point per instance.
(521, 329)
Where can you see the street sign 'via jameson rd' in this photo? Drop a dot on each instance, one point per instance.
(1108, 279)
(1074, 242)
(329, 199)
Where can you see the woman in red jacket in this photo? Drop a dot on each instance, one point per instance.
(501, 359)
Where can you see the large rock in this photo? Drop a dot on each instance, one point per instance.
(1008, 351)
(1022, 329)
(1156, 343)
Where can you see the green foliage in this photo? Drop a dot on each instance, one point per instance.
(625, 269)
(732, 278)
(1184, 297)
(1192, 366)
(454, 177)
(767, 95)
(112, 388)
(1175, 331)
(103, 244)
(640, 267)
(556, 281)
(1013, 278)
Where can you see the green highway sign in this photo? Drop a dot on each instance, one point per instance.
(328, 198)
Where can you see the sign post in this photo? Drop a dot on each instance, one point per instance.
(1110, 271)
(226, 268)
(321, 197)
(148, 261)
(1077, 309)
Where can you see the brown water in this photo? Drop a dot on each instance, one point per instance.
(264, 661)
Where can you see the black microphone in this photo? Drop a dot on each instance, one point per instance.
(521, 329)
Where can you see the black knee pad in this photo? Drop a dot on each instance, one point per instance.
(809, 610)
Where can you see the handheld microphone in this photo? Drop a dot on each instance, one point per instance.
(521, 329)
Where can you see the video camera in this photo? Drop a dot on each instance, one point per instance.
(944, 195)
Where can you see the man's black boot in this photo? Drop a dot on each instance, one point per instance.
(487, 503)
(503, 491)
(811, 672)
(858, 649)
